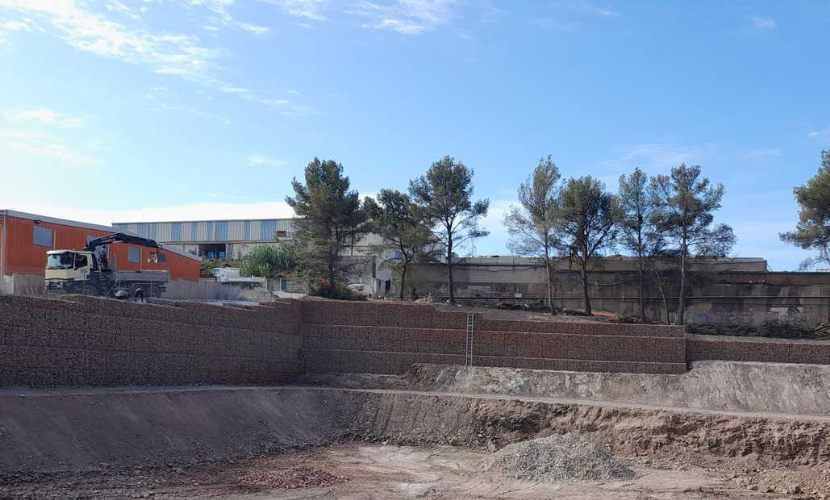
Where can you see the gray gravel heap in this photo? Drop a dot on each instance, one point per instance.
(554, 459)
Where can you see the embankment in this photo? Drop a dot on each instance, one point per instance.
(63, 430)
(797, 389)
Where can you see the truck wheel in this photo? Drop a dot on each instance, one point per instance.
(89, 290)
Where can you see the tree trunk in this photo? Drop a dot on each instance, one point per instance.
(550, 288)
(331, 276)
(403, 281)
(642, 289)
(661, 286)
(681, 303)
(449, 271)
(585, 299)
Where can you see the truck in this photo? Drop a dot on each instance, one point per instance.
(87, 271)
(233, 276)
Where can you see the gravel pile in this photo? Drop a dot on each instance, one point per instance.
(553, 459)
(292, 478)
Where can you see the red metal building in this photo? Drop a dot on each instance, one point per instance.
(25, 239)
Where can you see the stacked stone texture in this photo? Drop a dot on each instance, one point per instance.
(389, 338)
(98, 342)
(711, 348)
(82, 341)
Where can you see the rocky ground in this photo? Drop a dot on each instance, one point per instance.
(377, 471)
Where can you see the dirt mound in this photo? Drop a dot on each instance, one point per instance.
(555, 458)
(300, 476)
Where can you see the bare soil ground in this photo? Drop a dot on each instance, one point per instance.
(519, 315)
(357, 471)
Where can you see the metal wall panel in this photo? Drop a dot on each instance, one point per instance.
(210, 231)
(24, 257)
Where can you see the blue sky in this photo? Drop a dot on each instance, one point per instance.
(196, 109)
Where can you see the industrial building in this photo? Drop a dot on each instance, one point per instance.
(233, 239)
(25, 238)
(214, 239)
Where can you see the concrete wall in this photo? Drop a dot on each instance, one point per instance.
(189, 290)
(22, 284)
(101, 342)
(33, 285)
(742, 296)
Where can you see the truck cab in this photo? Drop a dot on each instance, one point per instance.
(69, 270)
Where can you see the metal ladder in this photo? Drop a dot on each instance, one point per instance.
(468, 350)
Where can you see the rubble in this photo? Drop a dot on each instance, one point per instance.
(555, 458)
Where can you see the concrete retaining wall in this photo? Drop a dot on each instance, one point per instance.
(100, 342)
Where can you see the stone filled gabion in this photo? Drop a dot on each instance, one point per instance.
(554, 459)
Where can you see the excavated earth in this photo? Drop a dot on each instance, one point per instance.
(415, 436)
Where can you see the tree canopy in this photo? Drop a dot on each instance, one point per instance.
(403, 228)
(532, 224)
(586, 216)
(684, 207)
(635, 223)
(270, 261)
(445, 197)
(330, 217)
(813, 229)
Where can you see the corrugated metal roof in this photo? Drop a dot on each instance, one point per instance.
(54, 220)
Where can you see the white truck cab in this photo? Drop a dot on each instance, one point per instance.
(64, 266)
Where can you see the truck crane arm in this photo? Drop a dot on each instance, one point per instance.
(121, 238)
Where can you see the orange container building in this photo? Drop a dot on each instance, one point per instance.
(25, 239)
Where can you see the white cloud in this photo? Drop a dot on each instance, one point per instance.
(42, 144)
(15, 25)
(190, 111)
(282, 106)
(122, 8)
(173, 54)
(762, 153)
(181, 55)
(44, 116)
(819, 134)
(7, 27)
(586, 7)
(219, 16)
(495, 215)
(407, 17)
(251, 28)
(229, 89)
(760, 24)
(262, 161)
(656, 157)
(306, 9)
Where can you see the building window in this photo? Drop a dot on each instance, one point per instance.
(134, 255)
(43, 236)
(282, 234)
